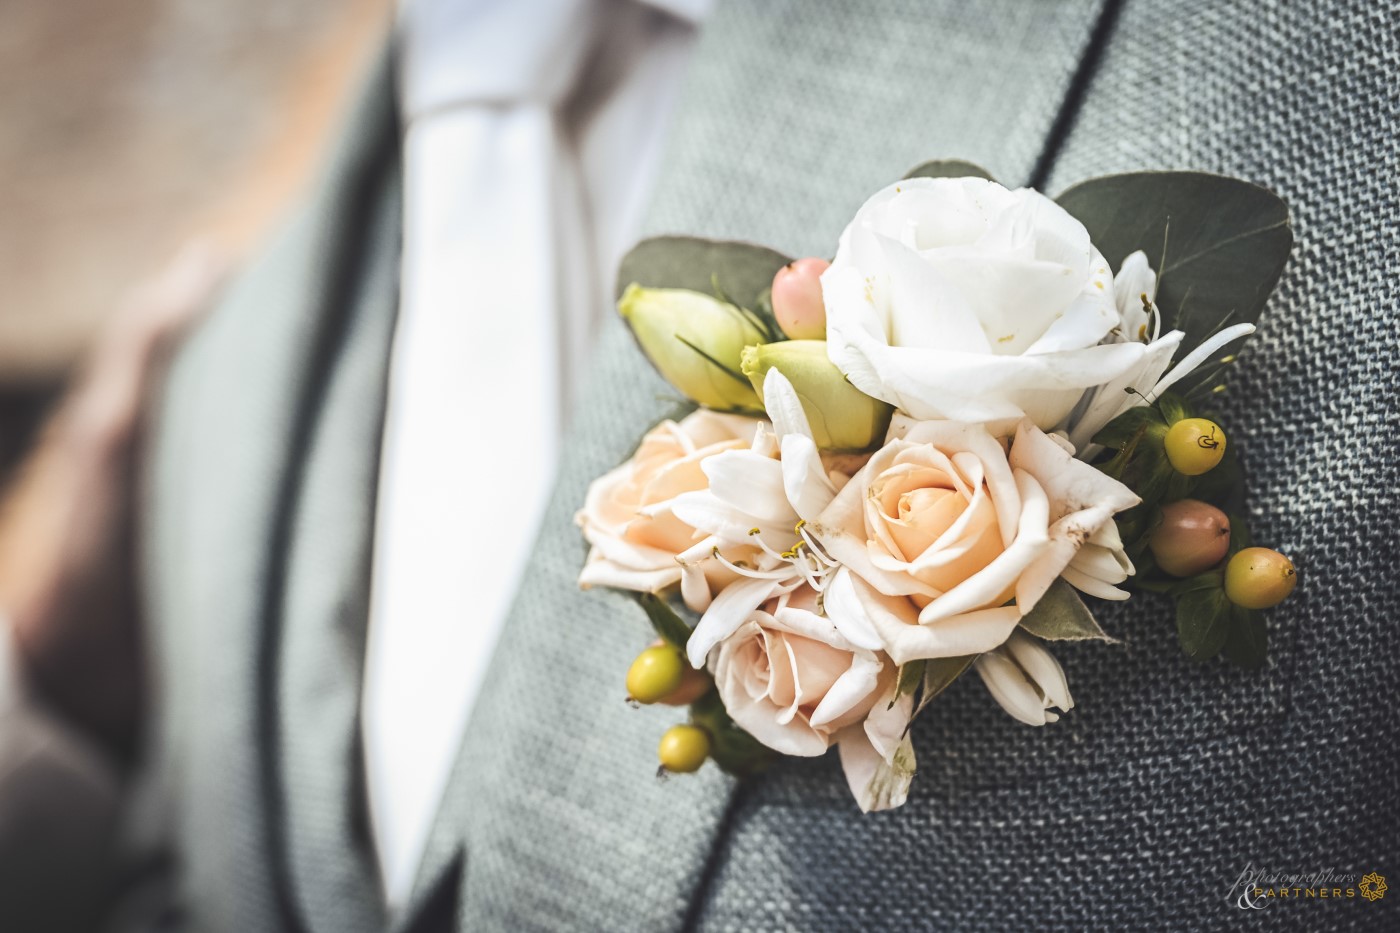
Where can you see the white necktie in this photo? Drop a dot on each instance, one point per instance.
(471, 437)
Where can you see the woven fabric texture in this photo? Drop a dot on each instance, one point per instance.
(1137, 810)
(1169, 779)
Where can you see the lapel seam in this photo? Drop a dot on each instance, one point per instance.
(719, 842)
(1075, 93)
(350, 195)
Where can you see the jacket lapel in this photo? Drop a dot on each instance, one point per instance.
(319, 656)
(239, 418)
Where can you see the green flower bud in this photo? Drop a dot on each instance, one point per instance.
(842, 417)
(695, 342)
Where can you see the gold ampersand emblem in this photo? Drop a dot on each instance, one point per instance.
(1373, 887)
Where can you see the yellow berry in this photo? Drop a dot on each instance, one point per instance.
(655, 674)
(684, 749)
(1195, 445)
(1257, 578)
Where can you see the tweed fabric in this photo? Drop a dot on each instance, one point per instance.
(1137, 810)
(321, 630)
(1144, 805)
(240, 409)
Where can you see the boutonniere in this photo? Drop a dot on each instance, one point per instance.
(916, 459)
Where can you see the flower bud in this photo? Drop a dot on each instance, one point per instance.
(1025, 679)
(797, 299)
(683, 749)
(695, 342)
(1192, 538)
(841, 416)
(655, 674)
(1195, 446)
(1259, 577)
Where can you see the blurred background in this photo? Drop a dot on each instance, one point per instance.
(128, 128)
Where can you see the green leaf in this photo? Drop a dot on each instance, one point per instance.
(949, 168)
(910, 676)
(740, 273)
(668, 624)
(1223, 487)
(939, 674)
(733, 749)
(1061, 615)
(1210, 580)
(1129, 426)
(1202, 620)
(1247, 643)
(1173, 408)
(1218, 244)
(1240, 537)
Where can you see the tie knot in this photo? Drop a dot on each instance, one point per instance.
(492, 52)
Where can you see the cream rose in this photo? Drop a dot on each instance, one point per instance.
(628, 516)
(791, 681)
(955, 298)
(948, 537)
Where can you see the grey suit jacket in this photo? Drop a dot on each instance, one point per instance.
(1138, 810)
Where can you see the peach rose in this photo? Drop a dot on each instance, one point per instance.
(628, 517)
(793, 682)
(950, 534)
(790, 679)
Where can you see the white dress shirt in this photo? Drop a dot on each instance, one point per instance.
(532, 131)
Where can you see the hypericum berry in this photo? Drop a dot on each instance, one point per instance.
(1195, 445)
(1259, 577)
(694, 684)
(683, 749)
(1192, 538)
(655, 674)
(797, 299)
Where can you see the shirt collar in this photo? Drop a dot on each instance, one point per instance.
(459, 52)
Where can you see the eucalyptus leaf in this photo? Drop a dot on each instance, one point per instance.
(668, 624)
(1061, 615)
(741, 273)
(1218, 244)
(939, 674)
(949, 168)
(1202, 622)
(910, 676)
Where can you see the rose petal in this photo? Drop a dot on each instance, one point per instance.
(730, 609)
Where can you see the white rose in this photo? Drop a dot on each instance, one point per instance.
(957, 299)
